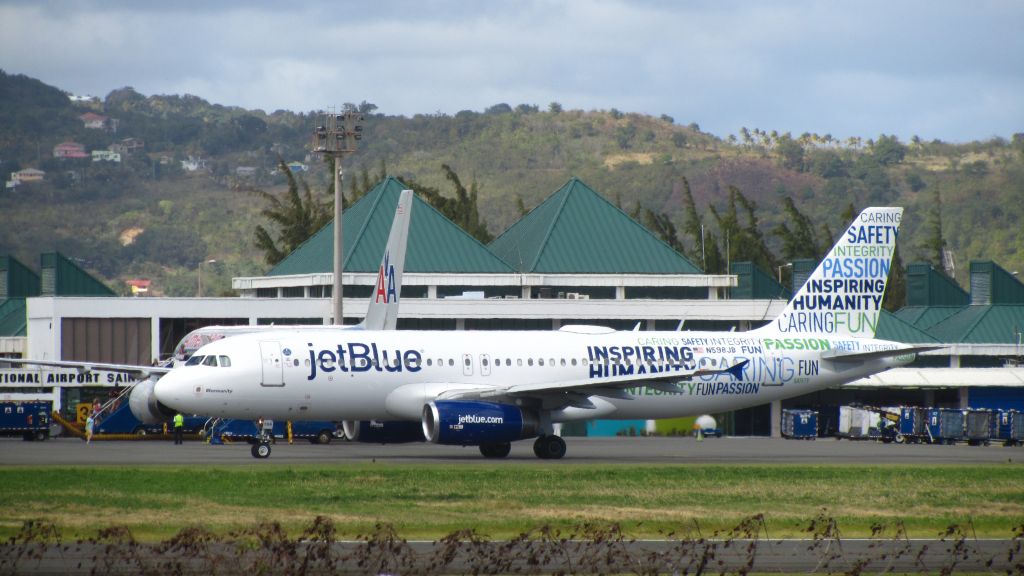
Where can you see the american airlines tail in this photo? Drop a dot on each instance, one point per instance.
(843, 297)
(383, 311)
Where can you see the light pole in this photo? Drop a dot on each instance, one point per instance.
(786, 265)
(336, 136)
(199, 293)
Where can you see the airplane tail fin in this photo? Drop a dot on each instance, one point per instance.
(843, 297)
(383, 311)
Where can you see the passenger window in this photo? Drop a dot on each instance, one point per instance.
(573, 361)
(430, 362)
(483, 361)
(451, 362)
(225, 362)
(195, 361)
(519, 361)
(529, 361)
(508, 362)
(468, 361)
(210, 361)
(552, 363)
(563, 361)
(540, 361)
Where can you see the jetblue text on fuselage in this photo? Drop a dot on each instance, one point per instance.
(360, 357)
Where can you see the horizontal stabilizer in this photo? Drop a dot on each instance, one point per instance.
(841, 356)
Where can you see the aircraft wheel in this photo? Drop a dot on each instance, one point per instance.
(549, 447)
(261, 450)
(498, 450)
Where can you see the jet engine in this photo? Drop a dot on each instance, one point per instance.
(145, 406)
(471, 423)
(381, 432)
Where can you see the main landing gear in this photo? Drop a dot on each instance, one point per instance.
(549, 447)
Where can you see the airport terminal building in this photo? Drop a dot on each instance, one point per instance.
(575, 259)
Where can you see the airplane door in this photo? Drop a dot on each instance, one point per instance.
(485, 365)
(273, 368)
(467, 364)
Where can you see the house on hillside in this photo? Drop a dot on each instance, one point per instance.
(138, 285)
(94, 121)
(105, 156)
(297, 166)
(127, 146)
(27, 175)
(69, 150)
(193, 164)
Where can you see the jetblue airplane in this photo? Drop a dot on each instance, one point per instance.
(489, 389)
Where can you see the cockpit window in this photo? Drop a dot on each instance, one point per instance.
(195, 361)
(210, 361)
(225, 362)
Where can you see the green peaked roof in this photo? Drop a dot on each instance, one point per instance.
(892, 327)
(979, 324)
(577, 231)
(13, 317)
(436, 244)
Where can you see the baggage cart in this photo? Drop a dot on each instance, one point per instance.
(800, 424)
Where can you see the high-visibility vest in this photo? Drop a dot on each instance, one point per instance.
(179, 420)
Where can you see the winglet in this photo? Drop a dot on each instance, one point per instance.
(382, 313)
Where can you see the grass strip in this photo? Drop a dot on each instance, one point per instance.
(429, 501)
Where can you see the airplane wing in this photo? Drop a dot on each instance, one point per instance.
(611, 387)
(141, 371)
(842, 356)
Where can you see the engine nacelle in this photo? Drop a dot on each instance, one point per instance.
(144, 405)
(383, 432)
(470, 423)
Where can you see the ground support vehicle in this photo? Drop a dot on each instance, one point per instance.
(30, 420)
(230, 430)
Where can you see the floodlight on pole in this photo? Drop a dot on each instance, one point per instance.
(335, 136)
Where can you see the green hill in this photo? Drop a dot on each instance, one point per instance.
(149, 217)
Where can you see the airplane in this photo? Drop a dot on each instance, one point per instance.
(492, 388)
(382, 314)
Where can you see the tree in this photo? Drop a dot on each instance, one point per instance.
(798, 241)
(462, 209)
(888, 150)
(297, 217)
(933, 243)
(555, 108)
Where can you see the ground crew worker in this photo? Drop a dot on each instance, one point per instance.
(179, 425)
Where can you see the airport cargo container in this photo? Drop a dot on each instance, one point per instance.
(978, 427)
(801, 424)
(858, 423)
(30, 419)
(913, 424)
(945, 425)
(1008, 426)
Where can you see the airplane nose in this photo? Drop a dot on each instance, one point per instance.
(170, 389)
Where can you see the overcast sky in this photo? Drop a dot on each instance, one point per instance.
(946, 69)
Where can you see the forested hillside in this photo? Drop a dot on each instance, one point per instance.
(152, 216)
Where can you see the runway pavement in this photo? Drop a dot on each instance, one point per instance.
(626, 450)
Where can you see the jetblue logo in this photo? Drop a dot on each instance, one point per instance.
(359, 357)
(386, 292)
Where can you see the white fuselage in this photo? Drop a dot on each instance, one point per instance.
(331, 374)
